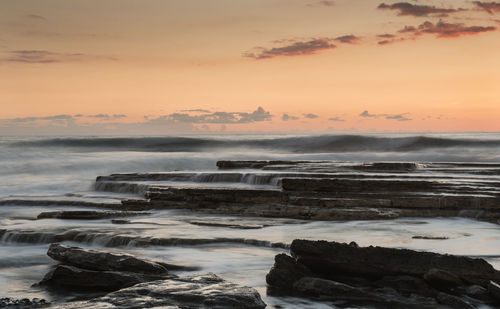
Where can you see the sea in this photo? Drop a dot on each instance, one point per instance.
(35, 170)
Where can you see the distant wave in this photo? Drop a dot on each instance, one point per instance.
(301, 144)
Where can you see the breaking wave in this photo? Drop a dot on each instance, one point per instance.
(295, 144)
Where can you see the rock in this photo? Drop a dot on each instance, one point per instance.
(23, 303)
(494, 289)
(430, 237)
(120, 221)
(77, 278)
(442, 279)
(332, 259)
(285, 272)
(327, 289)
(478, 292)
(102, 261)
(406, 285)
(453, 301)
(88, 214)
(205, 291)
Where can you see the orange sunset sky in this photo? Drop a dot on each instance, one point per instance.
(194, 66)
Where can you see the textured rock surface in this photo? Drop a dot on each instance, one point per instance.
(100, 261)
(383, 277)
(82, 279)
(205, 291)
(88, 214)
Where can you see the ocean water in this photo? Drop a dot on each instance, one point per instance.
(65, 168)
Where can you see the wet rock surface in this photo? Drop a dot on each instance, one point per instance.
(204, 291)
(88, 214)
(101, 261)
(383, 277)
(321, 190)
(24, 303)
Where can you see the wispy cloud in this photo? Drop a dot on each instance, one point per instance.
(47, 57)
(446, 30)
(300, 48)
(490, 7)
(349, 39)
(337, 119)
(408, 9)
(398, 117)
(286, 117)
(321, 3)
(311, 116)
(35, 17)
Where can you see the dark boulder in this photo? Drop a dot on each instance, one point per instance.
(83, 279)
(333, 258)
(102, 261)
(285, 272)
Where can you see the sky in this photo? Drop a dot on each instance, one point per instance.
(248, 66)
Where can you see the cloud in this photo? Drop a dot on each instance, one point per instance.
(367, 115)
(287, 117)
(321, 3)
(197, 110)
(99, 116)
(34, 119)
(386, 36)
(294, 49)
(118, 116)
(311, 116)
(338, 119)
(35, 16)
(408, 9)
(398, 117)
(217, 117)
(349, 39)
(44, 57)
(446, 30)
(490, 7)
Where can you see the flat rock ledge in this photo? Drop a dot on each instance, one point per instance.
(380, 277)
(139, 283)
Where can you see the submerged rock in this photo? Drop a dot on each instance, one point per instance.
(102, 261)
(204, 291)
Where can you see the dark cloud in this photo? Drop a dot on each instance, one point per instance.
(350, 39)
(118, 116)
(311, 116)
(447, 30)
(44, 57)
(490, 7)
(287, 117)
(338, 119)
(217, 117)
(408, 9)
(294, 49)
(35, 16)
(321, 3)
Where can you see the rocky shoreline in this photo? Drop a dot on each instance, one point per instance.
(264, 195)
